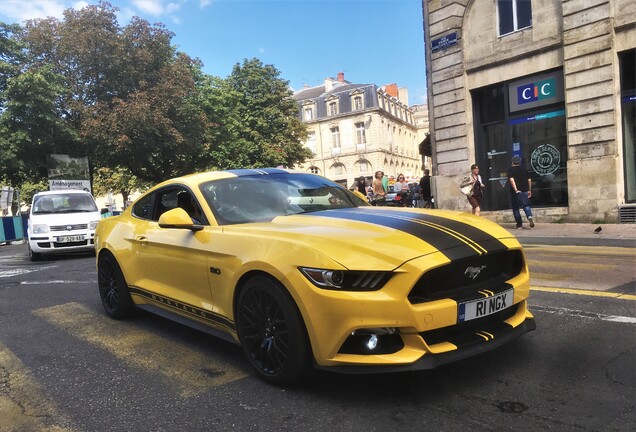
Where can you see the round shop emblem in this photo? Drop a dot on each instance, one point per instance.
(545, 159)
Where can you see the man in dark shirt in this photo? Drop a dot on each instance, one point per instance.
(520, 192)
(425, 190)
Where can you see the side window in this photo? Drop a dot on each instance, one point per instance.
(142, 208)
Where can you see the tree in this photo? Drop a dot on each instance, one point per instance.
(119, 180)
(271, 134)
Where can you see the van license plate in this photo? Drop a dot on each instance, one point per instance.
(482, 307)
(70, 239)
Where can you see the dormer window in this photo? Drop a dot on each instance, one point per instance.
(357, 103)
(332, 105)
(309, 110)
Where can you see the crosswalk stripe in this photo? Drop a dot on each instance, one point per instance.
(23, 405)
(190, 371)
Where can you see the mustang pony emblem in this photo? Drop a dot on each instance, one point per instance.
(473, 272)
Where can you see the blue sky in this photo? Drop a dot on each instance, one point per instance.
(371, 41)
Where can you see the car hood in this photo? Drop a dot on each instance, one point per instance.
(385, 238)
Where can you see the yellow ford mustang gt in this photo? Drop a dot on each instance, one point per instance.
(299, 270)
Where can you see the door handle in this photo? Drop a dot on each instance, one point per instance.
(142, 239)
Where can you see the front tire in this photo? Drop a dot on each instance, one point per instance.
(33, 256)
(272, 332)
(113, 290)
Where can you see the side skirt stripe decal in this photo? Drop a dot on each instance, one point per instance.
(193, 312)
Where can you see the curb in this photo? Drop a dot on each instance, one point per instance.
(578, 241)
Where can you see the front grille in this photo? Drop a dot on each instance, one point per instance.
(453, 280)
(73, 227)
(465, 333)
(70, 244)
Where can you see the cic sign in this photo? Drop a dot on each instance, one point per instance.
(536, 91)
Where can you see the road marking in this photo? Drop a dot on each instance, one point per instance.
(570, 265)
(190, 371)
(583, 314)
(21, 271)
(609, 294)
(23, 405)
(594, 251)
(55, 282)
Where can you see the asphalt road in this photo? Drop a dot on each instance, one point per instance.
(65, 366)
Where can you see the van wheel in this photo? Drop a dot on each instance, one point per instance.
(113, 290)
(272, 332)
(33, 256)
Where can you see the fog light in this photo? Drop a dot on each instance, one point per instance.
(372, 342)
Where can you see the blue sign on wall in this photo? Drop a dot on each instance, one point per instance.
(444, 42)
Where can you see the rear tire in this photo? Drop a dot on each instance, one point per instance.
(272, 332)
(113, 290)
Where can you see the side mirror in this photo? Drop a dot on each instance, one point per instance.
(179, 219)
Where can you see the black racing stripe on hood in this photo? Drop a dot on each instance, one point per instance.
(486, 241)
(450, 245)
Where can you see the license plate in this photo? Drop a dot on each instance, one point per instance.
(70, 239)
(482, 307)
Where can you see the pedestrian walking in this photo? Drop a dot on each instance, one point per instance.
(425, 190)
(520, 192)
(473, 178)
(379, 193)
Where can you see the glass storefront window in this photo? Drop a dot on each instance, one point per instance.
(628, 108)
(543, 147)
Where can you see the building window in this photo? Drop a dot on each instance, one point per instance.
(513, 15)
(357, 103)
(333, 108)
(364, 166)
(309, 113)
(335, 137)
(311, 142)
(314, 170)
(360, 133)
(338, 169)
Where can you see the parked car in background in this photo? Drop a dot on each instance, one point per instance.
(300, 271)
(61, 222)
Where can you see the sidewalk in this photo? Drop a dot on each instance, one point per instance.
(575, 234)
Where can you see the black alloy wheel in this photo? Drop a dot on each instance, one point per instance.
(272, 332)
(113, 290)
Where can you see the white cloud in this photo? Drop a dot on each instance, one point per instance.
(158, 7)
(19, 10)
(204, 3)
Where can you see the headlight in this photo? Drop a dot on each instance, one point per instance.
(40, 229)
(92, 225)
(346, 280)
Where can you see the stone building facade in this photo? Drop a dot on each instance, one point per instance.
(551, 81)
(357, 129)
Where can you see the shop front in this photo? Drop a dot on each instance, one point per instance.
(526, 118)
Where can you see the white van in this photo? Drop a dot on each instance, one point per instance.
(61, 222)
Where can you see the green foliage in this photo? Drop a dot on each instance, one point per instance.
(119, 180)
(30, 188)
(127, 99)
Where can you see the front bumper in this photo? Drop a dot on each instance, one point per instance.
(430, 331)
(62, 242)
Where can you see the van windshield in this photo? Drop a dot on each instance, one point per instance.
(63, 203)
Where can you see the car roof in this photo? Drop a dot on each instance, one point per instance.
(198, 178)
(57, 192)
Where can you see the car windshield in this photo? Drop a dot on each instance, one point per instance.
(63, 203)
(261, 198)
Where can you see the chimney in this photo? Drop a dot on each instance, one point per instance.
(340, 77)
(391, 90)
(328, 84)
